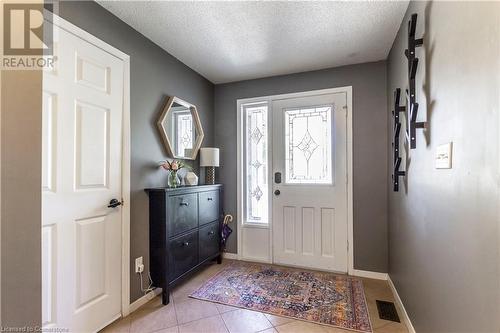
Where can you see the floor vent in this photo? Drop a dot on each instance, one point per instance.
(387, 311)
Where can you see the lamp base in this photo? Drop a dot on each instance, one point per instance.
(210, 175)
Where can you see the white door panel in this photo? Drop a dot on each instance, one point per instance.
(91, 146)
(255, 244)
(82, 131)
(49, 141)
(310, 211)
(49, 278)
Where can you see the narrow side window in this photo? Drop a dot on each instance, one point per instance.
(256, 163)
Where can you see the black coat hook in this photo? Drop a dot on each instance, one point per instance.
(411, 98)
(395, 143)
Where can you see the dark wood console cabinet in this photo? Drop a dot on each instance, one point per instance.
(184, 232)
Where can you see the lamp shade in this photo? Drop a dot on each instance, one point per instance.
(209, 157)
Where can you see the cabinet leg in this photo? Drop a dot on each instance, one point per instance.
(165, 296)
(219, 259)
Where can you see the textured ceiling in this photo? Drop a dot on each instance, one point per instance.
(232, 41)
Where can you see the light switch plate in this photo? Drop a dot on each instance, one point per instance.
(444, 156)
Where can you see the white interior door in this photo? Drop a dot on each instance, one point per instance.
(81, 236)
(310, 199)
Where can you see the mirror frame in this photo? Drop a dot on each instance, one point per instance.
(163, 133)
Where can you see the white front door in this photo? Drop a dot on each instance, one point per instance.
(81, 236)
(309, 182)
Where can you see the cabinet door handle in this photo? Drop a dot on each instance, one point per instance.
(184, 203)
(210, 199)
(211, 232)
(185, 244)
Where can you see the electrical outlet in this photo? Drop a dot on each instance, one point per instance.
(139, 266)
(444, 156)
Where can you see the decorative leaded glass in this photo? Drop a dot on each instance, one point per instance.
(184, 129)
(308, 145)
(256, 166)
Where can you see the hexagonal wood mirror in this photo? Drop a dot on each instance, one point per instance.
(180, 129)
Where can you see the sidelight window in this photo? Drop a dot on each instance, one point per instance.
(256, 163)
(183, 129)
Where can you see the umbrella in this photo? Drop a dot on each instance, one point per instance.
(226, 230)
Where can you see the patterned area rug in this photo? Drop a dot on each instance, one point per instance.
(319, 297)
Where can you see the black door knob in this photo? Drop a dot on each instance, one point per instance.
(114, 203)
(277, 192)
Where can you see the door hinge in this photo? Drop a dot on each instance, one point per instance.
(347, 246)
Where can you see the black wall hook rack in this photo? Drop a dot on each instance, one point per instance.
(395, 143)
(411, 99)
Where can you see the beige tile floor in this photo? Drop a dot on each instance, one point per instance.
(187, 315)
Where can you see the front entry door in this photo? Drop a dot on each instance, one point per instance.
(309, 182)
(81, 236)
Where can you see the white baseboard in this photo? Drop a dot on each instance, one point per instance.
(228, 255)
(103, 326)
(256, 259)
(401, 307)
(370, 274)
(355, 272)
(144, 299)
(235, 256)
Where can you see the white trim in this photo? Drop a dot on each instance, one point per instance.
(239, 179)
(257, 225)
(350, 175)
(243, 109)
(115, 318)
(228, 255)
(399, 304)
(1, 13)
(144, 299)
(498, 158)
(75, 30)
(369, 274)
(350, 240)
(257, 259)
(241, 187)
(126, 161)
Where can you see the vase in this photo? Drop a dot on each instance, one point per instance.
(173, 180)
(191, 179)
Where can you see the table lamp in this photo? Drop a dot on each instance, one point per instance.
(209, 158)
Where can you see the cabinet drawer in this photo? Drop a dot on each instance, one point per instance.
(209, 206)
(182, 254)
(209, 240)
(182, 213)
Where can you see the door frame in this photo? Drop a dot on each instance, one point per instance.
(240, 157)
(125, 164)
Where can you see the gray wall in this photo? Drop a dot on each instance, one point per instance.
(369, 146)
(154, 74)
(21, 151)
(443, 229)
